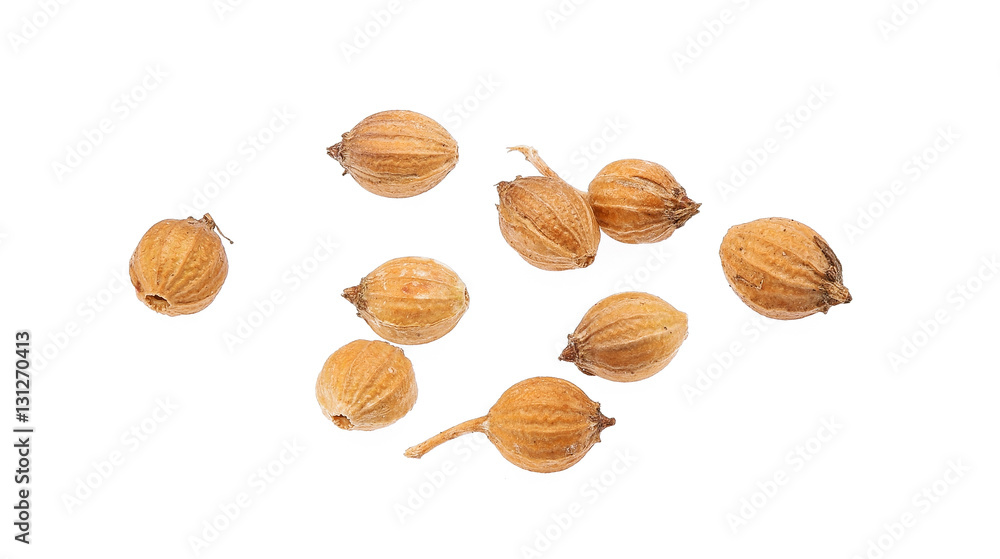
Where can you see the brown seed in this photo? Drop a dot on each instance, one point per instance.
(410, 300)
(627, 337)
(638, 201)
(542, 424)
(548, 222)
(366, 385)
(782, 269)
(397, 154)
(179, 265)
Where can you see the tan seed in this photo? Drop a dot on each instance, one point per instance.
(397, 154)
(179, 266)
(638, 201)
(542, 424)
(410, 300)
(547, 221)
(627, 337)
(782, 269)
(366, 385)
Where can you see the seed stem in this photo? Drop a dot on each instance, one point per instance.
(531, 154)
(210, 223)
(471, 426)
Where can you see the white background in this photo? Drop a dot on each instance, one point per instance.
(603, 82)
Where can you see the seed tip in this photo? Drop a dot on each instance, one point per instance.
(603, 422)
(687, 212)
(568, 354)
(334, 151)
(352, 294)
(839, 295)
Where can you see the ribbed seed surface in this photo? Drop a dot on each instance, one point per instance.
(637, 201)
(410, 300)
(179, 266)
(397, 154)
(366, 385)
(544, 424)
(627, 337)
(549, 223)
(782, 268)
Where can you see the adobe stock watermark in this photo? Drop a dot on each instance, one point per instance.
(955, 300)
(699, 42)
(431, 484)
(560, 12)
(123, 107)
(463, 109)
(786, 127)
(921, 504)
(590, 493)
(89, 309)
(795, 460)
(223, 8)
(290, 281)
(723, 360)
(247, 152)
(915, 168)
(584, 155)
(257, 484)
(654, 261)
(29, 26)
(130, 441)
(365, 33)
(899, 15)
